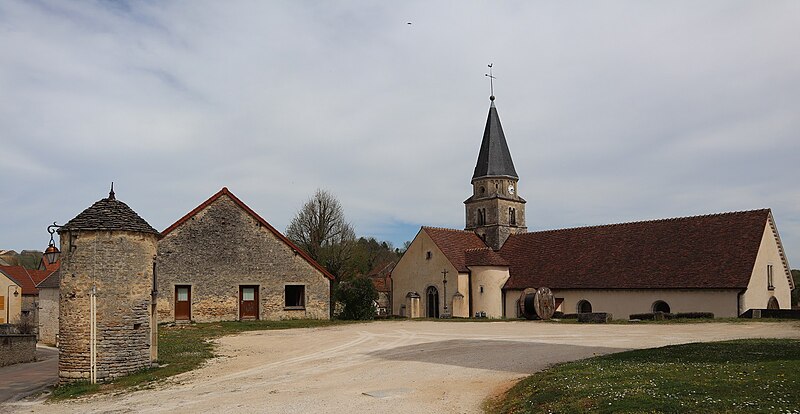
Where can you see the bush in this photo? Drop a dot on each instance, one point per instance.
(595, 317)
(26, 325)
(355, 299)
(694, 315)
(661, 316)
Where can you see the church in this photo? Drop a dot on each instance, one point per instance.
(724, 263)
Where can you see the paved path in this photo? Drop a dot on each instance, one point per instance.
(20, 380)
(391, 366)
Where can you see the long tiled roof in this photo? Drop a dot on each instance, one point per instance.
(454, 243)
(712, 251)
(108, 214)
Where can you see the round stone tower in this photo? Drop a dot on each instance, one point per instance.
(107, 325)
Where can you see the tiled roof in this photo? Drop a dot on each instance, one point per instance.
(382, 283)
(108, 214)
(52, 281)
(454, 243)
(484, 257)
(225, 192)
(26, 278)
(712, 251)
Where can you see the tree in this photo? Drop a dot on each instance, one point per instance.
(356, 297)
(321, 230)
(796, 291)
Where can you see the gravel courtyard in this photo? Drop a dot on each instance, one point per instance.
(392, 366)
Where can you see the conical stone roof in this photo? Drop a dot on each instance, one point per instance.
(494, 159)
(108, 214)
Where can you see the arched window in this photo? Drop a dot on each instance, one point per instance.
(660, 306)
(512, 216)
(773, 303)
(432, 296)
(584, 306)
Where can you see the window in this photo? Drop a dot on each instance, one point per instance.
(295, 296)
(512, 216)
(770, 286)
(661, 306)
(481, 216)
(584, 306)
(428, 255)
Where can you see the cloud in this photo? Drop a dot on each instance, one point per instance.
(613, 112)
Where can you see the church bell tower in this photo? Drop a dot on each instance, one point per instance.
(495, 210)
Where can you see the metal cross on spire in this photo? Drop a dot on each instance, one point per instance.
(491, 81)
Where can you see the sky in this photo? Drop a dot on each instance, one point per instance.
(614, 111)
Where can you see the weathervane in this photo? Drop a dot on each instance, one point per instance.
(491, 81)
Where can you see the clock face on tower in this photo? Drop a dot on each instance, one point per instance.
(511, 189)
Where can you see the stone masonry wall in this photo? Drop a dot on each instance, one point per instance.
(223, 247)
(17, 348)
(120, 264)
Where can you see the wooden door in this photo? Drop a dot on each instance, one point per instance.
(248, 302)
(183, 303)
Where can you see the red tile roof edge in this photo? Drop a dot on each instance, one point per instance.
(25, 278)
(643, 221)
(243, 206)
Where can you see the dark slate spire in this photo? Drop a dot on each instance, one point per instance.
(494, 160)
(108, 214)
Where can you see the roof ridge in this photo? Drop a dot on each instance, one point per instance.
(447, 229)
(479, 248)
(644, 221)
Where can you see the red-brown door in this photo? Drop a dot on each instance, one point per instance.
(248, 302)
(183, 303)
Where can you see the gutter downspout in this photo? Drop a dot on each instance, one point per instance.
(469, 290)
(93, 335)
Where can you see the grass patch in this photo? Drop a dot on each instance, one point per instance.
(756, 375)
(182, 348)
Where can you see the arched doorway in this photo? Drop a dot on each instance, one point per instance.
(773, 303)
(661, 306)
(584, 306)
(432, 295)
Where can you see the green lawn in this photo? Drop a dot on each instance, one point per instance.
(183, 348)
(760, 375)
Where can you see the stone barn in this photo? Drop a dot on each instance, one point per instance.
(222, 261)
(107, 325)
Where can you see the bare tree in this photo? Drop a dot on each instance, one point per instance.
(320, 228)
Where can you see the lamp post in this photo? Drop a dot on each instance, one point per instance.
(444, 282)
(8, 305)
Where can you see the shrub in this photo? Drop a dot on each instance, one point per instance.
(25, 326)
(694, 315)
(595, 317)
(356, 297)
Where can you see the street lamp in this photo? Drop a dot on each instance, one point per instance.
(52, 252)
(8, 305)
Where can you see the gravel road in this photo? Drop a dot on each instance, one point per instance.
(391, 366)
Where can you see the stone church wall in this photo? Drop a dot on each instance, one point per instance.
(119, 264)
(623, 302)
(223, 247)
(758, 291)
(415, 272)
